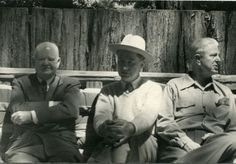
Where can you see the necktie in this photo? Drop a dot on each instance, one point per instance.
(129, 87)
(44, 87)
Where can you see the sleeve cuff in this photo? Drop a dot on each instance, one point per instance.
(34, 117)
(53, 103)
(136, 132)
(186, 141)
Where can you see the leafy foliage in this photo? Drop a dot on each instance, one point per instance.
(93, 3)
(58, 3)
(138, 4)
(21, 3)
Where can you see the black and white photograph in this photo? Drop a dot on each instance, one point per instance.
(117, 81)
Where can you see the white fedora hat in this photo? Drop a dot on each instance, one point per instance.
(133, 43)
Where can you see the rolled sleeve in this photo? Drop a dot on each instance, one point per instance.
(166, 126)
(103, 112)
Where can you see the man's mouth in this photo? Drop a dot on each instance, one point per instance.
(216, 67)
(46, 68)
(124, 74)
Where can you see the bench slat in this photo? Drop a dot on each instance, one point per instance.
(7, 73)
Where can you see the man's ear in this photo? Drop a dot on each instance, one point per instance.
(142, 66)
(142, 63)
(197, 59)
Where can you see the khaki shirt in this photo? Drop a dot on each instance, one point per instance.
(187, 105)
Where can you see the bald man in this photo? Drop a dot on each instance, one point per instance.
(198, 120)
(42, 113)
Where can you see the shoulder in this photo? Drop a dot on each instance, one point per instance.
(175, 85)
(23, 79)
(154, 85)
(112, 85)
(223, 87)
(69, 80)
(177, 82)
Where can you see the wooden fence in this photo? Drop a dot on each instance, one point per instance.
(83, 36)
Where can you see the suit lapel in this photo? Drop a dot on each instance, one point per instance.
(32, 89)
(52, 87)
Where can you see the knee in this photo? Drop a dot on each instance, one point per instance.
(20, 158)
(230, 141)
(232, 145)
(66, 157)
(120, 154)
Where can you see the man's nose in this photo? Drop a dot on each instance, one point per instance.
(125, 67)
(45, 61)
(218, 60)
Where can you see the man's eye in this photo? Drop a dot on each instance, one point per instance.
(213, 55)
(131, 62)
(51, 60)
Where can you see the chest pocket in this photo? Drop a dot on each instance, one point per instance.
(187, 104)
(185, 107)
(221, 111)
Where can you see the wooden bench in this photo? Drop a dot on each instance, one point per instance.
(91, 82)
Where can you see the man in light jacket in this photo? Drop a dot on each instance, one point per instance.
(126, 110)
(198, 119)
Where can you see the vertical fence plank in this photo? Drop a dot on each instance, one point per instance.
(192, 27)
(46, 25)
(83, 36)
(14, 43)
(217, 30)
(67, 39)
(99, 58)
(132, 22)
(123, 23)
(162, 32)
(81, 31)
(230, 57)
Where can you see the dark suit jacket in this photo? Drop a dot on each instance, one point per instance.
(56, 124)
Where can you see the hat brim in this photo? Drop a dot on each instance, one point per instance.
(115, 47)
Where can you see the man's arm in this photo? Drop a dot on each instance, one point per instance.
(45, 113)
(144, 120)
(232, 114)
(7, 131)
(167, 127)
(104, 111)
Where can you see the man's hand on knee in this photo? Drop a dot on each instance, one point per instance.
(125, 129)
(116, 132)
(105, 130)
(191, 146)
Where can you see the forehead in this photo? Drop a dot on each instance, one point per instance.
(211, 48)
(127, 55)
(47, 51)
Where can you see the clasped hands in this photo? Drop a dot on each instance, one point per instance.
(21, 117)
(116, 132)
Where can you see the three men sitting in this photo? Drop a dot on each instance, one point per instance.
(195, 114)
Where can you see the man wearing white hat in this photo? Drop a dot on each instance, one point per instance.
(126, 110)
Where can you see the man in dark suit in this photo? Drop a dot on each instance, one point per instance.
(42, 113)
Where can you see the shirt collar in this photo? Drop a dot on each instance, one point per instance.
(217, 86)
(136, 83)
(188, 82)
(48, 81)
